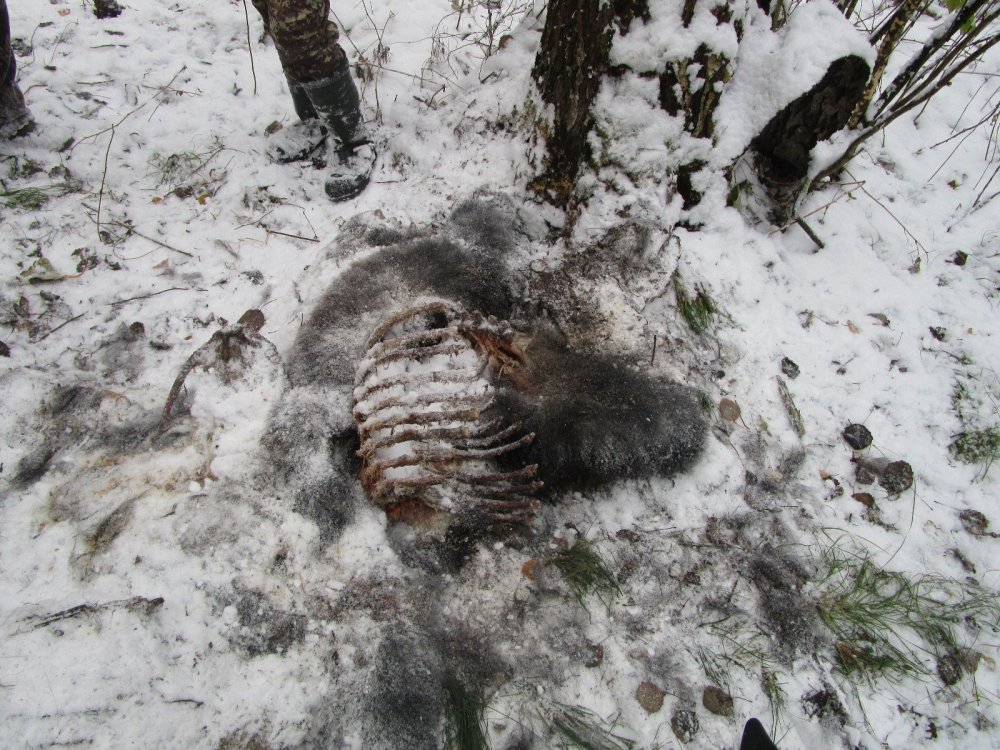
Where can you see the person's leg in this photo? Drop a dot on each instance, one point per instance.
(307, 46)
(305, 37)
(300, 101)
(15, 119)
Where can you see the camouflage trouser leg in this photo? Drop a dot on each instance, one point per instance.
(304, 36)
(14, 116)
(8, 66)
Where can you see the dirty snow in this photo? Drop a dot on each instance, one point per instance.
(163, 586)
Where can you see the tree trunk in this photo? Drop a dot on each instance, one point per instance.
(781, 151)
(569, 68)
(693, 86)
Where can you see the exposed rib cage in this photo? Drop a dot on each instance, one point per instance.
(421, 400)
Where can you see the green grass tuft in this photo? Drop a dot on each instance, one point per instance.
(27, 199)
(706, 403)
(891, 625)
(698, 311)
(976, 447)
(465, 723)
(587, 572)
(33, 198)
(581, 729)
(975, 400)
(777, 699)
(749, 651)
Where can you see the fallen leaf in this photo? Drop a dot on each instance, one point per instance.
(650, 696)
(853, 328)
(41, 271)
(865, 498)
(880, 318)
(729, 410)
(529, 568)
(202, 198)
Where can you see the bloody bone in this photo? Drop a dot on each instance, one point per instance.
(423, 394)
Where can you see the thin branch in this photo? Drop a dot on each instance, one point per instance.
(981, 192)
(139, 604)
(132, 230)
(253, 70)
(104, 177)
(260, 219)
(64, 323)
(293, 236)
(154, 294)
(945, 80)
(861, 187)
(808, 230)
(201, 164)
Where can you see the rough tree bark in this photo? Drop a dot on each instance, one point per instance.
(693, 86)
(574, 58)
(781, 150)
(569, 68)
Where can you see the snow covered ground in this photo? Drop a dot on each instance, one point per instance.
(162, 584)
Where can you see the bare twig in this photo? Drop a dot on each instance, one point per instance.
(976, 203)
(808, 230)
(154, 294)
(253, 70)
(104, 177)
(64, 323)
(192, 701)
(919, 244)
(202, 163)
(794, 415)
(293, 236)
(132, 230)
(139, 604)
(256, 221)
(60, 38)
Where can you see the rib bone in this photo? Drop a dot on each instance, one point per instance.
(427, 432)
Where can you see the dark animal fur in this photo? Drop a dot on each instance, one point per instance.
(596, 419)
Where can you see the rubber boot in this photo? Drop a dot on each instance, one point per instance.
(300, 140)
(755, 737)
(15, 119)
(338, 105)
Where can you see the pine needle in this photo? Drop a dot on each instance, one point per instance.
(587, 572)
(887, 623)
(466, 726)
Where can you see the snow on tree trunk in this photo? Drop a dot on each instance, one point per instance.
(691, 47)
(781, 150)
(569, 68)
